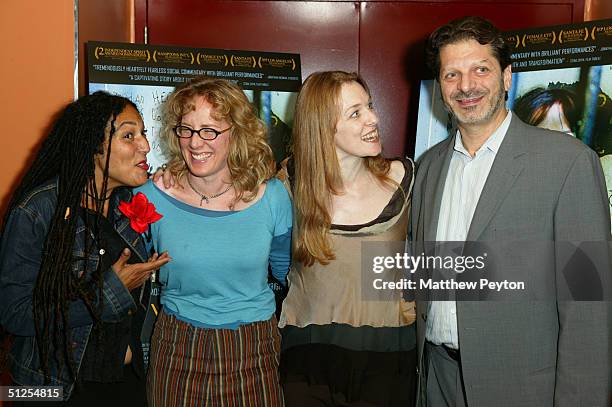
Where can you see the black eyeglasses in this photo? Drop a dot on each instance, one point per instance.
(205, 133)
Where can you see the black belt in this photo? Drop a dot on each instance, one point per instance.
(454, 354)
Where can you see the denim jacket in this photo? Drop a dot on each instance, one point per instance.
(20, 259)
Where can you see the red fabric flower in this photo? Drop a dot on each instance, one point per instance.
(140, 211)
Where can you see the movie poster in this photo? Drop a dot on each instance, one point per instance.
(561, 80)
(146, 74)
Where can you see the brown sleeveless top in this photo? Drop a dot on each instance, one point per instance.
(325, 294)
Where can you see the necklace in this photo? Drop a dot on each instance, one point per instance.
(97, 199)
(204, 197)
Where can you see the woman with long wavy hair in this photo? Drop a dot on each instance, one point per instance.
(217, 341)
(341, 347)
(71, 266)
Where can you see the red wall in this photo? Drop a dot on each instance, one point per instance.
(383, 40)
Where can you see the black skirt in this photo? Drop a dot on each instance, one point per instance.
(329, 375)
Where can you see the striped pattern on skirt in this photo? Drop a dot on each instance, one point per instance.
(193, 366)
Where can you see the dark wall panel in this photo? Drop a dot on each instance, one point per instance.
(108, 20)
(325, 34)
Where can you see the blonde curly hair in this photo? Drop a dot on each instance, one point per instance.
(250, 159)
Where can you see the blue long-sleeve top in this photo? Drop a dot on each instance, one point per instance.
(219, 268)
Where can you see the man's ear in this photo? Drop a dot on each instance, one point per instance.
(507, 77)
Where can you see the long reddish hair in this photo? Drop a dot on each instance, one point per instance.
(317, 170)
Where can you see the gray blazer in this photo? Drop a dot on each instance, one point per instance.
(543, 186)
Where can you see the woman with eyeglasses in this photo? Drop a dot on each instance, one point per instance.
(226, 220)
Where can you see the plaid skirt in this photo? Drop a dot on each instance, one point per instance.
(193, 366)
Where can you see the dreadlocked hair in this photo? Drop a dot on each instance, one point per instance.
(67, 154)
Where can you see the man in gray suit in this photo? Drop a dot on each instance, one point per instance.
(499, 179)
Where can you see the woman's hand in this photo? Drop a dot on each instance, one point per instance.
(134, 275)
(166, 176)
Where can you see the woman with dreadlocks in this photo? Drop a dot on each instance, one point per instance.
(71, 266)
